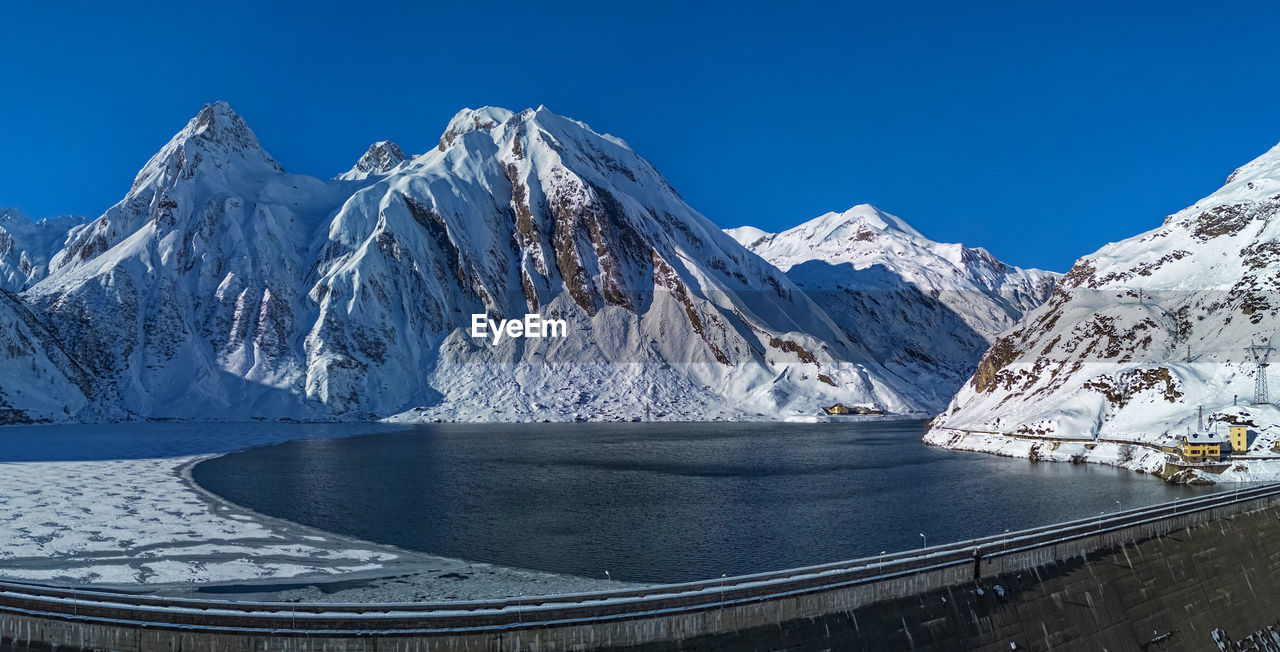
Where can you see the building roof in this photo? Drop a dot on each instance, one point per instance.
(1203, 438)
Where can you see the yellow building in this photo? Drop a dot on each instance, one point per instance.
(1200, 447)
(1239, 439)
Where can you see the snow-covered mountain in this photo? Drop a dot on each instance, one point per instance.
(26, 247)
(223, 286)
(184, 297)
(531, 212)
(1141, 334)
(926, 310)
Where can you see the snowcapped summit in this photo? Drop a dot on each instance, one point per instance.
(381, 157)
(747, 235)
(218, 137)
(194, 274)
(865, 237)
(218, 122)
(859, 223)
(925, 308)
(1265, 168)
(859, 235)
(468, 120)
(205, 171)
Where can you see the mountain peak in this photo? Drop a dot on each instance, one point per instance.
(1265, 168)
(218, 122)
(468, 120)
(216, 136)
(862, 223)
(380, 158)
(857, 220)
(747, 235)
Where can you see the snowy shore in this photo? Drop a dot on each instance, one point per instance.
(1136, 454)
(113, 506)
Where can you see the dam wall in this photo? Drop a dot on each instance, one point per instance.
(1194, 574)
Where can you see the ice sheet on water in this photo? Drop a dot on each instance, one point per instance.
(108, 504)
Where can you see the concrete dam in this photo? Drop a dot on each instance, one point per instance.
(1196, 574)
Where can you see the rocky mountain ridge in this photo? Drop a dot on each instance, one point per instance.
(222, 285)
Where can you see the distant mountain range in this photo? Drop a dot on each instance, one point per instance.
(223, 287)
(27, 246)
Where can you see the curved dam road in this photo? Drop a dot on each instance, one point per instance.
(1193, 574)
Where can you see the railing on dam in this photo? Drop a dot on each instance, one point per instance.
(975, 558)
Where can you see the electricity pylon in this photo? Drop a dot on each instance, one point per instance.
(1260, 355)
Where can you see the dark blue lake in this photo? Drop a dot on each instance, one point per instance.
(664, 502)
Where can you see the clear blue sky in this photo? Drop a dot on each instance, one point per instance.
(1040, 130)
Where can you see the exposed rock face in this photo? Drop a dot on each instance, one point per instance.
(381, 158)
(1140, 334)
(925, 310)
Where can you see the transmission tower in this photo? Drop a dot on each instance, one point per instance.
(1260, 354)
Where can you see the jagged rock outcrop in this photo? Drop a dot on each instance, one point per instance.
(381, 158)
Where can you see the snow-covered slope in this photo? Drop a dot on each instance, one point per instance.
(26, 247)
(926, 310)
(222, 287)
(38, 382)
(1143, 332)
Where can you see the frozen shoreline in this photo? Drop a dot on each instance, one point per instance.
(74, 516)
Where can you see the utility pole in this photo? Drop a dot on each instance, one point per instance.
(1200, 420)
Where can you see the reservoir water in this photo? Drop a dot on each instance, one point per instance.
(664, 502)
